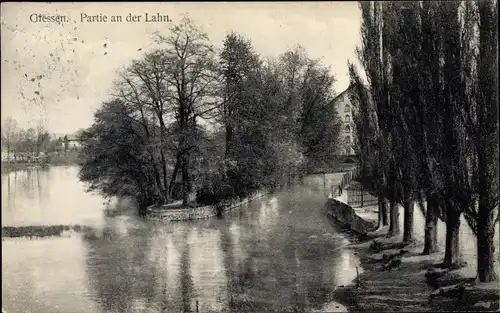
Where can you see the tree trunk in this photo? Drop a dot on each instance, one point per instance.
(229, 138)
(385, 213)
(408, 221)
(452, 250)
(159, 185)
(185, 179)
(485, 244)
(165, 192)
(174, 176)
(487, 141)
(486, 252)
(380, 213)
(383, 218)
(394, 219)
(430, 238)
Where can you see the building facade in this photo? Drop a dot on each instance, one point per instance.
(345, 110)
(74, 142)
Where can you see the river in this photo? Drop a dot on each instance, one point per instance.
(277, 253)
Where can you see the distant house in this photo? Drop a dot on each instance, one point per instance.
(74, 142)
(345, 111)
(70, 142)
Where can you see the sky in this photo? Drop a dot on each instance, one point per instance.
(58, 74)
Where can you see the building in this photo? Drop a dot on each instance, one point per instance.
(68, 142)
(345, 111)
(74, 142)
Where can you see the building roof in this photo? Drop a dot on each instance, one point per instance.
(73, 138)
(350, 88)
(343, 92)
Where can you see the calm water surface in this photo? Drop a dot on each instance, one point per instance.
(276, 253)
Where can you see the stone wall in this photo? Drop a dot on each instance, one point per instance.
(347, 217)
(196, 213)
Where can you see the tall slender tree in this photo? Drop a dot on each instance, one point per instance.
(487, 139)
(373, 57)
(457, 186)
(404, 51)
(428, 140)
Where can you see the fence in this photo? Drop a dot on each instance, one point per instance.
(347, 178)
(359, 197)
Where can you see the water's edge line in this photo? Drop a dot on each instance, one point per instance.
(188, 214)
(349, 306)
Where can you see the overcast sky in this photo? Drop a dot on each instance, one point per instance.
(59, 74)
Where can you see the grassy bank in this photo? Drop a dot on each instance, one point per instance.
(68, 158)
(43, 231)
(397, 277)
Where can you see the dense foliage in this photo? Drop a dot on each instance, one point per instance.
(428, 117)
(187, 122)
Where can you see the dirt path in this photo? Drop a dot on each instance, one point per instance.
(401, 285)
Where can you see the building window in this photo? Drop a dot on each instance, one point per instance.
(347, 139)
(348, 128)
(347, 118)
(347, 108)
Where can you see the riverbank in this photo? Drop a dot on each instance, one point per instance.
(69, 158)
(44, 231)
(397, 277)
(12, 167)
(176, 213)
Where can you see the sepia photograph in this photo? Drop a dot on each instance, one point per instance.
(201, 157)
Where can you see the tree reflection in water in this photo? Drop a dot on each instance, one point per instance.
(277, 253)
(117, 267)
